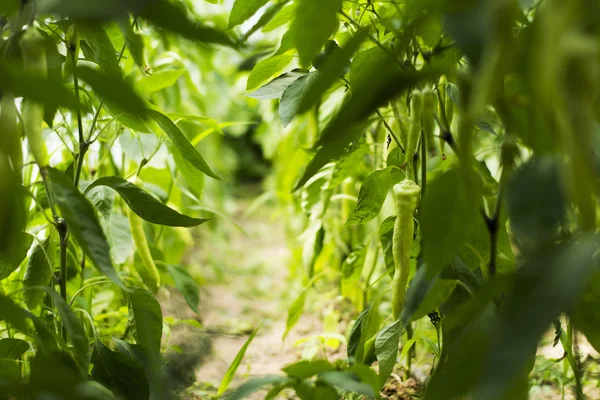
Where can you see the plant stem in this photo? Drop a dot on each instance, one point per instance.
(389, 128)
(82, 142)
(64, 240)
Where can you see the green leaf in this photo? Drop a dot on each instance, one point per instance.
(321, 17)
(284, 16)
(113, 88)
(169, 16)
(120, 373)
(9, 265)
(355, 337)
(144, 205)
(286, 44)
(19, 318)
(439, 292)
(183, 145)
(586, 314)
(38, 273)
(83, 224)
(97, 47)
(449, 209)
(291, 98)
(386, 348)
(193, 177)
(244, 9)
(306, 368)
(158, 81)
(134, 42)
(148, 319)
(235, 364)
(548, 283)
(13, 348)
(102, 198)
(372, 195)
(347, 382)
(266, 69)
(118, 234)
(10, 370)
(384, 82)
(294, 313)
(255, 384)
(48, 91)
(536, 203)
(264, 19)
(186, 285)
(75, 330)
(335, 65)
(275, 88)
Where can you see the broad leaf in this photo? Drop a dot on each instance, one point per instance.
(243, 10)
(586, 314)
(291, 98)
(39, 272)
(114, 88)
(275, 88)
(13, 348)
(183, 145)
(295, 312)
(119, 372)
(255, 384)
(306, 368)
(9, 265)
(266, 69)
(284, 16)
(448, 210)
(386, 348)
(97, 47)
(144, 205)
(158, 80)
(83, 224)
(372, 195)
(186, 286)
(321, 17)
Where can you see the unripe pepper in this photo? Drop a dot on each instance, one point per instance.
(428, 119)
(147, 268)
(415, 127)
(407, 194)
(34, 60)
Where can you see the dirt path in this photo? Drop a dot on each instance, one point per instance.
(249, 286)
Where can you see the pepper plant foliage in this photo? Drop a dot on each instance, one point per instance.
(490, 107)
(96, 207)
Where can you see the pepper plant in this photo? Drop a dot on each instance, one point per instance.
(480, 118)
(99, 183)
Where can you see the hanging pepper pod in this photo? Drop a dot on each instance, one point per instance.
(428, 119)
(407, 194)
(34, 59)
(415, 127)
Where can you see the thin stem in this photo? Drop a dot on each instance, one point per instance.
(388, 128)
(64, 240)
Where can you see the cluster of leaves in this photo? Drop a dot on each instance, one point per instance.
(505, 240)
(79, 265)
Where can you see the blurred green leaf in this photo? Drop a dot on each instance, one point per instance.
(83, 224)
(97, 47)
(113, 88)
(158, 80)
(321, 17)
(167, 15)
(118, 372)
(10, 370)
(235, 364)
(292, 97)
(266, 69)
(144, 205)
(295, 312)
(586, 313)
(9, 265)
(12, 348)
(448, 210)
(275, 88)
(284, 16)
(347, 381)
(386, 233)
(186, 285)
(306, 368)
(243, 10)
(255, 384)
